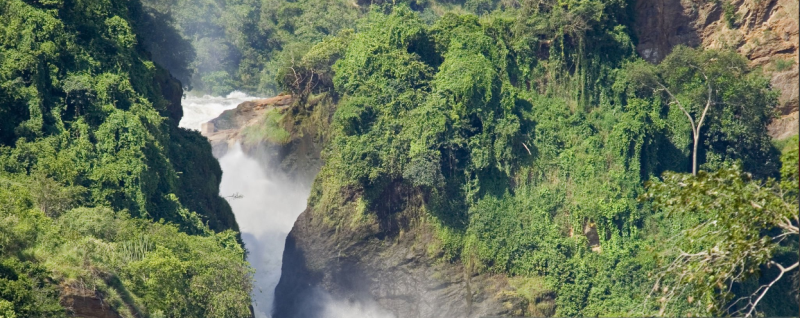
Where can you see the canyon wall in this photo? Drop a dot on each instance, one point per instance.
(764, 31)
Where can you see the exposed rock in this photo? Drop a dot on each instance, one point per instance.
(785, 126)
(386, 263)
(85, 303)
(298, 159)
(226, 129)
(764, 31)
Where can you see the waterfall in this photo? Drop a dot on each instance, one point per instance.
(264, 209)
(266, 206)
(200, 109)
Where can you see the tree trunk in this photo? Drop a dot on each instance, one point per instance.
(696, 139)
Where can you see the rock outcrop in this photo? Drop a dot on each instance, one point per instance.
(85, 303)
(386, 263)
(297, 159)
(226, 129)
(764, 31)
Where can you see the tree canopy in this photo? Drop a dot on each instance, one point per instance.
(100, 189)
(527, 137)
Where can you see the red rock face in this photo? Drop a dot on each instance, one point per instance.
(764, 31)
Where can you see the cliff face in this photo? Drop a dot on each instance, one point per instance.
(298, 158)
(764, 31)
(386, 262)
(226, 129)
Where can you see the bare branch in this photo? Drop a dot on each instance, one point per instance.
(526, 148)
(766, 289)
(676, 101)
(708, 102)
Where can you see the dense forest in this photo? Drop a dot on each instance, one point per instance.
(534, 140)
(101, 192)
(515, 130)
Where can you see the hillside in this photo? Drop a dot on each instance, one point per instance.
(107, 208)
(499, 166)
(466, 158)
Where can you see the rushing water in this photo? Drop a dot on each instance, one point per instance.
(200, 109)
(266, 206)
(265, 210)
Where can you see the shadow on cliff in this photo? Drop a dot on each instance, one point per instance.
(301, 291)
(663, 24)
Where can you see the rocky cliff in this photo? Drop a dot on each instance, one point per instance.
(297, 158)
(387, 261)
(764, 31)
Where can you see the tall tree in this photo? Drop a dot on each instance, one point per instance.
(723, 101)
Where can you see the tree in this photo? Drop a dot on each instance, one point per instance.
(721, 99)
(731, 228)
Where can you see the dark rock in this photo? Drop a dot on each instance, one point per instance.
(388, 268)
(85, 303)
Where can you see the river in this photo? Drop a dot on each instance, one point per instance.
(265, 210)
(266, 206)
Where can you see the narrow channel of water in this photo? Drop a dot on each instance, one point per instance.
(265, 210)
(266, 207)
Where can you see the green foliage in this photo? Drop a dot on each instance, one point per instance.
(789, 170)
(527, 131)
(741, 105)
(92, 116)
(269, 128)
(781, 65)
(730, 15)
(24, 291)
(249, 44)
(91, 158)
(242, 44)
(732, 225)
(312, 73)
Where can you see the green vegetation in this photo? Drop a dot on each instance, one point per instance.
(529, 135)
(268, 128)
(244, 44)
(780, 65)
(712, 88)
(733, 226)
(730, 15)
(101, 191)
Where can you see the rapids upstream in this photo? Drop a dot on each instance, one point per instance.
(265, 209)
(266, 205)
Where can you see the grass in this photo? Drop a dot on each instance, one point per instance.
(781, 65)
(269, 128)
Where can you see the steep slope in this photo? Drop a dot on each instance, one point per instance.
(766, 32)
(389, 262)
(106, 205)
(467, 157)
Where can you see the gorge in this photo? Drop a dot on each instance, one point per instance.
(408, 158)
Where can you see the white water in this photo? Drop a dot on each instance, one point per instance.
(200, 109)
(265, 210)
(265, 213)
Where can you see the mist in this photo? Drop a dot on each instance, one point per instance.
(265, 211)
(266, 204)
